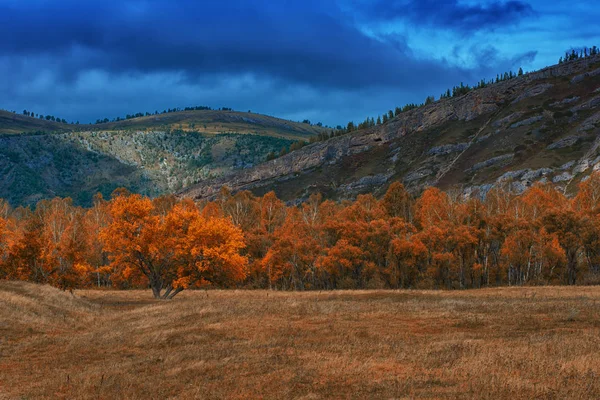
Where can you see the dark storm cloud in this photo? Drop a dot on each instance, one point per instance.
(303, 42)
(450, 13)
(332, 60)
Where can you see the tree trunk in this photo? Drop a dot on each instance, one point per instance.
(571, 267)
(165, 295)
(173, 294)
(156, 286)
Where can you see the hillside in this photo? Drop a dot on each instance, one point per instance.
(218, 122)
(541, 126)
(11, 123)
(208, 122)
(151, 155)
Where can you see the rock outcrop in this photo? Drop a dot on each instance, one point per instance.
(449, 142)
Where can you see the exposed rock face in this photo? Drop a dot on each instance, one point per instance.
(365, 184)
(447, 149)
(536, 174)
(443, 143)
(581, 77)
(568, 165)
(512, 175)
(565, 176)
(534, 91)
(565, 101)
(418, 175)
(590, 123)
(566, 142)
(507, 120)
(528, 121)
(592, 103)
(492, 161)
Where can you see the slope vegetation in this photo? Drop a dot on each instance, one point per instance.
(151, 155)
(541, 126)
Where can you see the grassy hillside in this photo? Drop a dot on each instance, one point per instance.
(151, 155)
(212, 122)
(509, 343)
(11, 124)
(207, 122)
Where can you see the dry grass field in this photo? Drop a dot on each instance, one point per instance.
(509, 343)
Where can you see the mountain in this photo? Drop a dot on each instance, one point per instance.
(152, 155)
(542, 126)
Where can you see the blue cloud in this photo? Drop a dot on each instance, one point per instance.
(451, 14)
(283, 42)
(329, 61)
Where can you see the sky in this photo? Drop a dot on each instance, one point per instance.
(329, 61)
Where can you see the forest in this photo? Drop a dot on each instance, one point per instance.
(440, 240)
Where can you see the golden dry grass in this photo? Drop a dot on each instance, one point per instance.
(517, 343)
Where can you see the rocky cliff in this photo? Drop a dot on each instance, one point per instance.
(540, 126)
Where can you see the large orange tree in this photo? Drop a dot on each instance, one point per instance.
(171, 247)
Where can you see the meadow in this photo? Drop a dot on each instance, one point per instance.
(499, 343)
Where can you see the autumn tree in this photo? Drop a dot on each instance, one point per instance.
(532, 256)
(343, 260)
(243, 209)
(51, 246)
(272, 212)
(397, 202)
(261, 237)
(406, 253)
(290, 262)
(173, 250)
(95, 219)
(3, 244)
(206, 250)
(587, 204)
(567, 225)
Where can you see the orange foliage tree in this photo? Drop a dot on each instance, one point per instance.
(171, 248)
(438, 240)
(4, 246)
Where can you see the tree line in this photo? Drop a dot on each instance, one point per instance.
(574, 55)
(156, 112)
(45, 117)
(439, 240)
(127, 116)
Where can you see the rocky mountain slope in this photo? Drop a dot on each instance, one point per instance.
(543, 126)
(152, 155)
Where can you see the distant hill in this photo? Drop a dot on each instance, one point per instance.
(13, 123)
(152, 155)
(213, 122)
(209, 122)
(542, 126)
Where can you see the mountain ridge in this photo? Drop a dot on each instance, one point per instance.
(560, 97)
